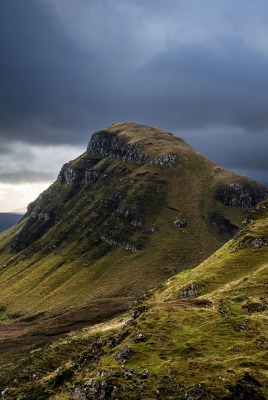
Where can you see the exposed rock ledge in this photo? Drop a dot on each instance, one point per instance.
(67, 175)
(241, 195)
(110, 144)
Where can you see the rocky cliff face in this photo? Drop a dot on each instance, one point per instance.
(111, 144)
(241, 195)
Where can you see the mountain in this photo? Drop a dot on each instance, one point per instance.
(200, 335)
(139, 206)
(8, 219)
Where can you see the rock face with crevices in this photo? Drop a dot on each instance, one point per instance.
(241, 195)
(111, 144)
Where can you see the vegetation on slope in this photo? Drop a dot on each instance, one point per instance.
(201, 335)
(137, 207)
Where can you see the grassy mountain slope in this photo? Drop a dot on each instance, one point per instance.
(200, 335)
(137, 207)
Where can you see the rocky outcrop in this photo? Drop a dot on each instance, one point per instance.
(259, 242)
(112, 241)
(95, 390)
(241, 195)
(93, 176)
(166, 160)
(110, 144)
(67, 175)
(124, 354)
(189, 291)
(40, 215)
(180, 223)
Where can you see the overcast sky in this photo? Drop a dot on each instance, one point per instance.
(71, 67)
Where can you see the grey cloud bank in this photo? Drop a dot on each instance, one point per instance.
(198, 69)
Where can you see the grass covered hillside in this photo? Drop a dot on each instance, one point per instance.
(139, 206)
(200, 335)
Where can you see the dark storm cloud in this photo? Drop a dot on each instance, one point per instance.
(233, 148)
(53, 90)
(221, 84)
(198, 69)
(42, 77)
(25, 175)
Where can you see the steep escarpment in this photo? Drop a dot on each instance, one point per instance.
(139, 206)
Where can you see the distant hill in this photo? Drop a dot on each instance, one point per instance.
(8, 219)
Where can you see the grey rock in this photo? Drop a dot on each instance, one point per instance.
(137, 222)
(124, 354)
(180, 223)
(67, 175)
(152, 229)
(95, 390)
(117, 242)
(140, 338)
(117, 195)
(131, 247)
(257, 243)
(93, 176)
(109, 144)
(166, 160)
(110, 240)
(4, 392)
(135, 314)
(241, 195)
(94, 214)
(129, 374)
(40, 215)
(124, 211)
(189, 291)
(145, 374)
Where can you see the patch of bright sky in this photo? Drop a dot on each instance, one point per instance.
(20, 186)
(18, 197)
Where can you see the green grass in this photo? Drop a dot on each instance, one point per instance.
(215, 341)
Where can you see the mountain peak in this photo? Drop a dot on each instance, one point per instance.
(137, 207)
(134, 131)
